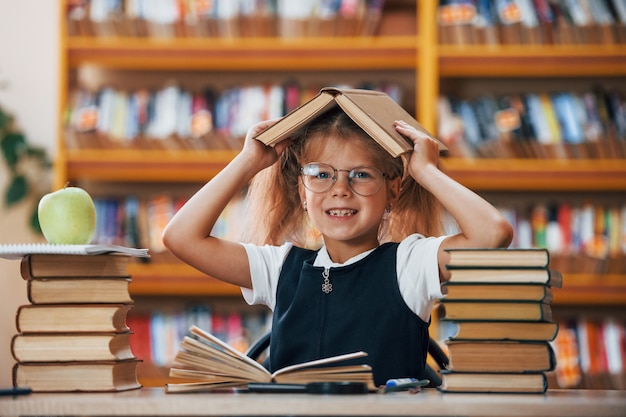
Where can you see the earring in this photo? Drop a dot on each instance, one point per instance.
(304, 205)
(387, 213)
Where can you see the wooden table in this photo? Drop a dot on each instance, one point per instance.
(155, 402)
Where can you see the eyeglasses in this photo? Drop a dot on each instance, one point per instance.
(320, 178)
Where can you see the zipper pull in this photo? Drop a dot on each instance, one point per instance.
(327, 287)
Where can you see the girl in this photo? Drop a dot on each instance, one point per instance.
(373, 283)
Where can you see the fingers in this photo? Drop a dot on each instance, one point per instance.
(261, 126)
(281, 146)
(412, 133)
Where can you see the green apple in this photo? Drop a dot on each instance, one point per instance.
(67, 216)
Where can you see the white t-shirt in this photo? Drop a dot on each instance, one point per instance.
(416, 264)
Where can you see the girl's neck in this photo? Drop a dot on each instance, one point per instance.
(341, 252)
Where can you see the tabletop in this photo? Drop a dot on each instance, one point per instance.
(429, 402)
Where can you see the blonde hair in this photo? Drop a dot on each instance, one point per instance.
(274, 213)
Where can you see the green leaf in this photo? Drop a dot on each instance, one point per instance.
(35, 152)
(16, 191)
(34, 219)
(5, 120)
(13, 147)
(40, 155)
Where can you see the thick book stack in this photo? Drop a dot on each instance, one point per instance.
(73, 335)
(500, 302)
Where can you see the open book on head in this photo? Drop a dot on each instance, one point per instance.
(215, 364)
(374, 111)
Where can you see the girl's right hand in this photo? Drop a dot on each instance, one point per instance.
(259, 154)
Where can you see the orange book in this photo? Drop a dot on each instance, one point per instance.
(87, 376)
(505, 330)
(500, 356)
(470, 382)
(66, 266)
(69, 347)
(496, 310)
(75, 318)
(498, 258)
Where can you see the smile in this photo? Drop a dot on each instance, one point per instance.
(341, 212)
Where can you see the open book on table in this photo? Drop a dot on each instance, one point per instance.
(208, 363)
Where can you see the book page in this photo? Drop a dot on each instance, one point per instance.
(211, 358)
(226, 347)
(202, 386)
(205, 377)
(379, 109)
(296, 119)
(319, 362)
(214, 366)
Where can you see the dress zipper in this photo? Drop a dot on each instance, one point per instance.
(327, 287)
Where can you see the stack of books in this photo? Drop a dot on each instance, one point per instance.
(500, 303)
(73, 335)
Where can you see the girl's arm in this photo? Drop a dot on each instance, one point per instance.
(188, 234)
(481, 225)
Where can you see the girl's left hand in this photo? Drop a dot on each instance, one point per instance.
(425, 149)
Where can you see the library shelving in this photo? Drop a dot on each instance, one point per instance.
(406, 47)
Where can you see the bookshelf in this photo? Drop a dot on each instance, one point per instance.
(137, 62)
(406, 48)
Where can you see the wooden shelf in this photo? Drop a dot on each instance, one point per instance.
(532, 60)
(409, 46)
(590, 290)
(538, 174)
(128, 165)
(171, 279)
(180, 279)
(245, 54)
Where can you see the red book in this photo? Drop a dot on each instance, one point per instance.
(139, 325)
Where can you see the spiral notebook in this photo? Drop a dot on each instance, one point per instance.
(19, 250)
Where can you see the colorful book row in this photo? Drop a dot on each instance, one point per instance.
(223, 18)
(541, 22)
(561, 124)
(139, 222)
(581, 237)
(590, 352)
(156, 335)
(176, 117)
(573, 232)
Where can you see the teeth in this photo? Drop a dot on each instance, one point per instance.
(342, 212)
